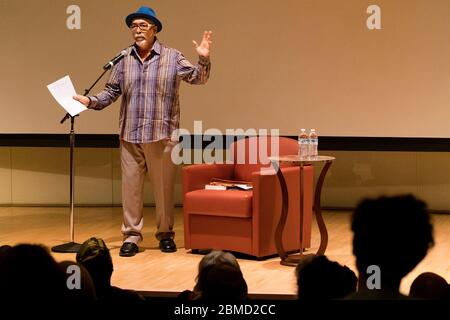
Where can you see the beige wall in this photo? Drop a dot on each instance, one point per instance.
(282, 64)
(40, 176)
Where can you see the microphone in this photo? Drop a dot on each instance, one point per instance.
(114, 60)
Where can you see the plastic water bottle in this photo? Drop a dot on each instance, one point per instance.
(303, 144)
(313, 144)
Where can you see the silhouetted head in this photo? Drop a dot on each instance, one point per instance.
(429, 285)
(319, 278)
(3, 250)
(393, 233)
(95, 257)
(29, 273)
(220, 277)
(222, 282)
(216, 256)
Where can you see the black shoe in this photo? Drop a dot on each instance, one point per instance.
(167, 245)
(128, 249)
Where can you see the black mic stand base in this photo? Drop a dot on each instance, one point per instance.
(70, 247)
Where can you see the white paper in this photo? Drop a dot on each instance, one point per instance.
(214, 187)
(244, 186)
(63, 91)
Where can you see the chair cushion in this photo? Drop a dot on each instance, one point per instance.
(226, 203)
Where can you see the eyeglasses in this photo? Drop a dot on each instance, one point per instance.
(142, 26)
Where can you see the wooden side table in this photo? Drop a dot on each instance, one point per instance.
(293, 260)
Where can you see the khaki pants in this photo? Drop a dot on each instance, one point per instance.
(136, 161)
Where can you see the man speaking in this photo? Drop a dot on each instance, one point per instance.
(148, 76)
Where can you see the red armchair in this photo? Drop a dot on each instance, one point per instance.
(245, 221)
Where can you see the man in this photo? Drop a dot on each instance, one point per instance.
(149, 77)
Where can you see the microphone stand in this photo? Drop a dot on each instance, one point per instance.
(72, 246)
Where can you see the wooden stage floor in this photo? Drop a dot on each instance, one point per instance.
(153, 271)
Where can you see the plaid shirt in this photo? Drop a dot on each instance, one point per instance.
(150, 109)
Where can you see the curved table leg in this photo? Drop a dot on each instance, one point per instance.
(284, 210)
(318, 212)
(287, 260)
(293, 260)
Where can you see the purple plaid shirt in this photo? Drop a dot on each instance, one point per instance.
(150, 108)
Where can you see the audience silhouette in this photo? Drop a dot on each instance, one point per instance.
(429, 285)
(391, 235)
(3, 250)
(29, 274)
(321, 279)
(95, 257)
(219, 279)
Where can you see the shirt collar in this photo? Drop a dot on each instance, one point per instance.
(156, 46)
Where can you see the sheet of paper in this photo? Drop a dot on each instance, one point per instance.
(244, 186)
(214, 187)
(63, 91)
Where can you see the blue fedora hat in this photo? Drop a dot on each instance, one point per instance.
(144, 13)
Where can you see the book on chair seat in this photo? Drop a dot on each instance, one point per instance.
(222, 184)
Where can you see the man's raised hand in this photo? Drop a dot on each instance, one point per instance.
(204, 48)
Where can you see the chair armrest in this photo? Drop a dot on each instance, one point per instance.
(267, 190)
(196, 176)
(267, 203)
(267, 183)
